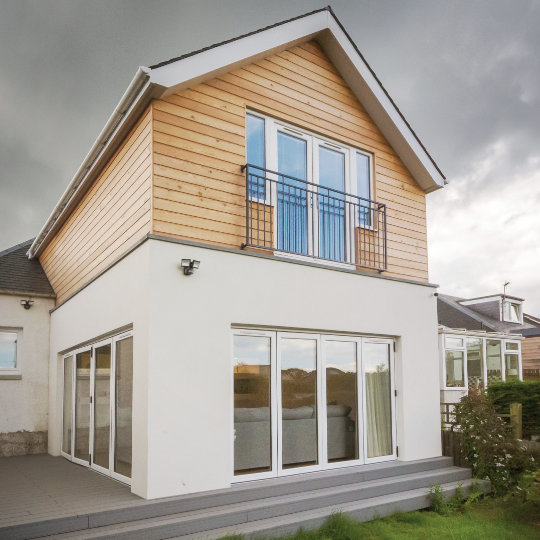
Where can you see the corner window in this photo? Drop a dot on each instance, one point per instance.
(512, 312)
(8, 349)
(512, 367)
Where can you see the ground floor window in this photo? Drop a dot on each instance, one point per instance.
(97, 406)
(308, 401)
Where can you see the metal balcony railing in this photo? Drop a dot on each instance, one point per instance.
(292, 216)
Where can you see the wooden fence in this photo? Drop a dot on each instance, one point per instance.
(531, 374)
(451, 438)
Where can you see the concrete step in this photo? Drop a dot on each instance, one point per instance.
(238, 493)
(364, 510)
(199, 521)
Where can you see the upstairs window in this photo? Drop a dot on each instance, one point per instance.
(256, 154)
(512, 312)
(8, 349)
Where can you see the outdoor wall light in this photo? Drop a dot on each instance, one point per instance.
(27, 304)
(189, 266)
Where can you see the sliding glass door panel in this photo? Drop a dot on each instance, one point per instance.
(123, 412)
(81, 450)
(67, 419)
(341, 400)
(331, 205)
(292, 196)
(378, 399)
(252, 404)
(299, 398)
(102, 407)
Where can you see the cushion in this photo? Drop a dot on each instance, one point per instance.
(298, 413)
(253, 414)
(337, 410)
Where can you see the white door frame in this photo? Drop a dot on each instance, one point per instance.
(276, 403)
(112, 341)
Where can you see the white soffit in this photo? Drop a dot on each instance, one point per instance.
(323, 27)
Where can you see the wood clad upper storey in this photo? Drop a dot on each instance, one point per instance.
(111, 217)
(199, 146)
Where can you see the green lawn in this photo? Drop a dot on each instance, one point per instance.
(489, 518)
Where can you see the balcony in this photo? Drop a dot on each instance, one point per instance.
(290, 216)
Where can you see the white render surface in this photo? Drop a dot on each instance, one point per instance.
(183, 392)
(115, 300)
(23, 401)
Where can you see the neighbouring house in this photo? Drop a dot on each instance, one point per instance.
(26, 297)
(241, 274)
(482, 340)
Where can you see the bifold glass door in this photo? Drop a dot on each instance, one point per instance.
(97, 405)
(305, 402)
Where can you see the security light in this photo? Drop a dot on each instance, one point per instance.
(27, 304)
(189, 266)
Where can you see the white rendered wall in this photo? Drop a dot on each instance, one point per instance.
(23, 402)
(190, 395)
(116, 299)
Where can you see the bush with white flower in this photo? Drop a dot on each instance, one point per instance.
(487, 445)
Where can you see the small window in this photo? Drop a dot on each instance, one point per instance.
(455, 373)
(363, 187)
(255, 150)
(8, 350)
(454, 342)
(512, 312)
(512, 367)
(512, 346)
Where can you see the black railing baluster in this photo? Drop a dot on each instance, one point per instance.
(344, 227)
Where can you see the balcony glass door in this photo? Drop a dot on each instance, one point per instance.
(331, 204)
(293, 206)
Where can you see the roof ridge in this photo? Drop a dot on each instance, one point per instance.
(230, 40)
(14, 248)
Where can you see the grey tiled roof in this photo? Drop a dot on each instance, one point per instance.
(20, 274)
(455, 315)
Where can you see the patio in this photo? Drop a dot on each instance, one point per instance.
(39, 488)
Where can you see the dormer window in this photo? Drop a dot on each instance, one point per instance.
(512, 312)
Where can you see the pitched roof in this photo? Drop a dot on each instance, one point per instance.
(18, 273)
(193, 68)
(453, 314)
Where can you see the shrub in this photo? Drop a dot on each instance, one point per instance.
(487, 446)
(525, 392)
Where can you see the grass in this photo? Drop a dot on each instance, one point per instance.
(493, 518)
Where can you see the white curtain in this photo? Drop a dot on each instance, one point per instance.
(378, 413)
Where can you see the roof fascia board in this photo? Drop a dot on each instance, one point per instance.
(136, 97)
(482, 300)
(479, 333)
(380, 107)
(223, 58)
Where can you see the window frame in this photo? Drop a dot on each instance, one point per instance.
(14, 372)
(272, 126)
(507, 315)
(484, 340)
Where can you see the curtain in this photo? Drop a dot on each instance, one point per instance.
(378, 413)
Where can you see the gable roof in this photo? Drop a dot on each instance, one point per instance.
(171, 76)
(452, 313)
(18, 274)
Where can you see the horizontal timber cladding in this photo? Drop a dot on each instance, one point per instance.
(530, 352)
(111, 217)
(199, 147)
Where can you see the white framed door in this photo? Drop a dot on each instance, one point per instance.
(97, 406)
(307, 402)
(379, 405)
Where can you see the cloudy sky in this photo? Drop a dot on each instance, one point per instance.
(466, 74)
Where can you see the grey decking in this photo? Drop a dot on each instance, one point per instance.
(43, 495)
